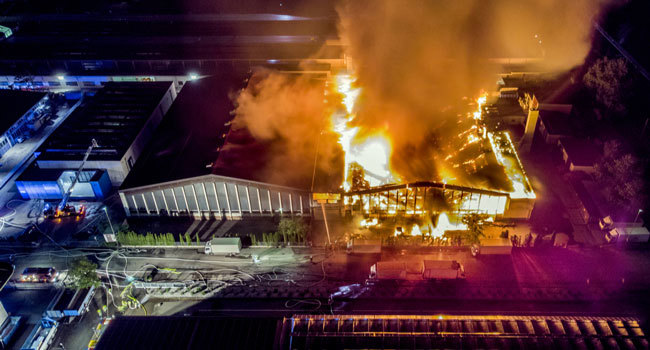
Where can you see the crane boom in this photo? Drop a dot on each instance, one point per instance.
(66, 195)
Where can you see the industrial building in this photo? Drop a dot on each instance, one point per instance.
(179, 173)
(19, 116)
(215, 197)
(425, 198)
(72, 50)
(121, 117)
(197, 166)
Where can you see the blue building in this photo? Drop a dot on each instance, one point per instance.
(36, 183)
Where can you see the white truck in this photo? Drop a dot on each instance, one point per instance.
(627, 234)
(223, 246)
(443, 270)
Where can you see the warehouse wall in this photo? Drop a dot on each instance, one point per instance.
(214, 196)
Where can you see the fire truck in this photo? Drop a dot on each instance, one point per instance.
(63, 209)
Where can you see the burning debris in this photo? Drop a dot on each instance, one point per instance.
(474, 150)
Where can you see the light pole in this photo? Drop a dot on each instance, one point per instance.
(637, 214)
(109, 221)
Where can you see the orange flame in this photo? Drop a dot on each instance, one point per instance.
(372, 152)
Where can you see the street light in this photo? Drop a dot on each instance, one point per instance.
(637, 214)
(109, 221)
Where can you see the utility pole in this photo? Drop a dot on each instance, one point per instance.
(110, 224)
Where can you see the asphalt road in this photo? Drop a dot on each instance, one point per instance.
(603, 281)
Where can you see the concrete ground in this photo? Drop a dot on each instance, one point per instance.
(557, 205)
(27, 303)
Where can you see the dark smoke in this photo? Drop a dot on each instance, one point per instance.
(416, 59)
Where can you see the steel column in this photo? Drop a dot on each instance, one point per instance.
(162, 193)
(146, 207)
(259, 199)
(216, 197)
(175, 200)
(155, 202)
(301, 208)
(237, 195)
(248, 197)
(415, 200)
(205, 195)
(225, 188)
(187, 204)
(125, 204)
(290, 204)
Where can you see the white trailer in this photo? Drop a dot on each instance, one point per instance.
(443, 270)
(417, 270)
(223, 246)
(628, 234)
(358, 246)
(388, 270)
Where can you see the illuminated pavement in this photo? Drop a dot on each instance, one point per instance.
(557, 202)
(529, 281)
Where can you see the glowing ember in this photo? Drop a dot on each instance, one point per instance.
(367, 223)
(372, 153)
(506, 155)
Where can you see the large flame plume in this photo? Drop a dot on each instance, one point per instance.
(398, 115)
(372, 153)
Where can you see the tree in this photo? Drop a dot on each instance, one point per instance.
(608, 79)
(358, 178)
(621, 176)
(83, 274)
(292, 230)
(474, 223)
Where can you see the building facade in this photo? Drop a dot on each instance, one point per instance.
(214, 196)
(51, 184)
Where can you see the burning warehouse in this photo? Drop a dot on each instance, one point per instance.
(391, 132)
(258, 166)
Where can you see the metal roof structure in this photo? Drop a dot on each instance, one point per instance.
(114, 117)
(102, 42)
(375, 332)
(457, 332)
(189, 137)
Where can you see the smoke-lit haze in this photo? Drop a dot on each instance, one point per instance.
(286, 112)
(414, 61)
